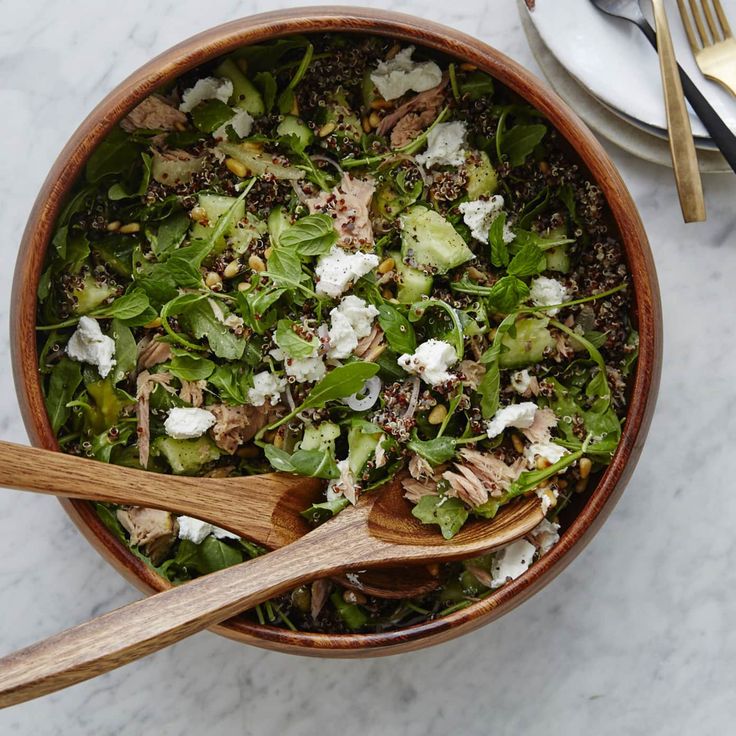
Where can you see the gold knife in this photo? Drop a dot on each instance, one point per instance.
(682, 146)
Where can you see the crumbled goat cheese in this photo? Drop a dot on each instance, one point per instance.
(196, 530)
(479, 215)
(89, 345)
(511, 561)
(266, 386)
(521, 381)
(444, 145)
(545, 536)
(241, 123)
(548, 497)
(545, 291)
(520, 416)
(305, 370)
(350, 321)
(187, 423)
(209, 88)
(338, 269)
(430, 361)
(551, 452)
(397, 76)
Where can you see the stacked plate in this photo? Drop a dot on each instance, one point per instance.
(606, 70)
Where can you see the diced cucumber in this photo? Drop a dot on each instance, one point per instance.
(558, 259)
(91, 295)
(320, 437)
(170, 170)
(259, 163)
(347, 123)
(389, 202)
(186, 457)
(527, 347)
(216, 205)
(361, 448)
(245, 94)
(482, 178)
(413, 284)
(432, 242)
(245, 232)
(292, 125)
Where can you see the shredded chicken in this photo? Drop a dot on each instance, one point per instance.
(481, 476)
(192, 392)
(154, 113)
(348, 204)
(153, 530)
(539, 431)
(320, 590)
(145, 384)
(419, 468)
(411, 118)
(473, 373)
(236, 425)
(152, 352)
(371, 346)
(564, 351)
(416, 490)
(466, 486)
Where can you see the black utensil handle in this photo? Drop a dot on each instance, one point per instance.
(719, 131)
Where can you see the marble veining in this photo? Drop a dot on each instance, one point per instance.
(635, 637)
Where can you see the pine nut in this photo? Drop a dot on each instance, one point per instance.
(379, 104)
(181, 127)
(256, 263)
(278, 440)
(585, 467)
(243, 286)
(131, 227)
(475, 274)
(387, 294)
(113, 226)
(252, 146)
(232, 269)
(367, 125)
(153, 324)
(438, 414)
(268, 252)
(213, 279)
(386, 265)
(581, 485)
(549, 495)
(199, 214)
(236, 167)
(466, 67)
(542, 463)
(326, 129)
(374, 119)
(518, 443)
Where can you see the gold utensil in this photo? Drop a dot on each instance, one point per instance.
(682, 146)
(714, 48)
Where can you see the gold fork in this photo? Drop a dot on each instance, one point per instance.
(715, 49)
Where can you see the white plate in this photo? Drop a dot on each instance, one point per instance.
(600, 118)
(614, 60)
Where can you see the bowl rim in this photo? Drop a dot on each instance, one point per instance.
(217, 41)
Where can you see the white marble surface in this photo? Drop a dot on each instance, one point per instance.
(636, 637)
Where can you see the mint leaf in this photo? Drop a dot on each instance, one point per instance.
(209, 115)
(118, 191)
(499, 249)
(529, 261)
(189, 367)
(506, 294)
(125, 307)
(310, 236)
(449, 513)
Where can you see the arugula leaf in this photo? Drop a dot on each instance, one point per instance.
(117, 191)
(531, 479)
(313, 235)
(65, 378)
(529, 261)
(318, 513)
(499, 249)
(126, 351)
(266, 82)
(291, 342)
(209, 115)
(209, 556)
(397, 329)
(232, 382)
(436, 451)
(476, 85)
(171, 233)
(489, 389)
(518, 142)
(449, 513)
(202, 322)
(189, 367)
(117, 154)
(309, 463)
(506, 294)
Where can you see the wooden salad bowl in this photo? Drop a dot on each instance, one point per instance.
(625, 220)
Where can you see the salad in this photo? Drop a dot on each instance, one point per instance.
(347, 258)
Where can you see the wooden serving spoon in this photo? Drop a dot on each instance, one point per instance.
(241, 505)
(379, 531)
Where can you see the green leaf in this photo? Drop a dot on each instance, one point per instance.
(279, 459)
(344, 380)
(266, 82)
(476, 85)
(291, 342)
(66, 376)
(212, 555)
(318, 513)
(489, 389)
(436, 451)
(531, 480)
(449, 513)
(353, 615)
(499, 249)
(529, 261)
(519, 142)
(284, 265)
(117, 154)
(201, 321)
(313, 235)
(506, 294)
(125, 307)
(171, 233)
(209, 115)
(118, 191)
(189, 367)
(397, 329)
(315, 464)
(232, 382)
(126, 351)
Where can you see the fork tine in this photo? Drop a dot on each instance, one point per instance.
(723, 19)
(714, 30)
(688, 26)
(698, 18)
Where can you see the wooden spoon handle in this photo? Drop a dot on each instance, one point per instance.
(153, 623)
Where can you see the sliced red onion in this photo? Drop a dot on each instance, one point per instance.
(366, 397)
(414, 399)
(328, 160)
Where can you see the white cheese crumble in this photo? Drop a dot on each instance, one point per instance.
(520, 416)
(209, 88)
(545, 291)
(196, 530)
(338, 269)
(241, 123)
(548, 497)
(444, 145)
(188, 423)
(89, 345)
(545, 535)
(479, 215)
(430, 361)
(266, 386)
(305, 370)
(397, 76)
(521, 381)
(551, 452)
(511, 562)
(351, 321)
